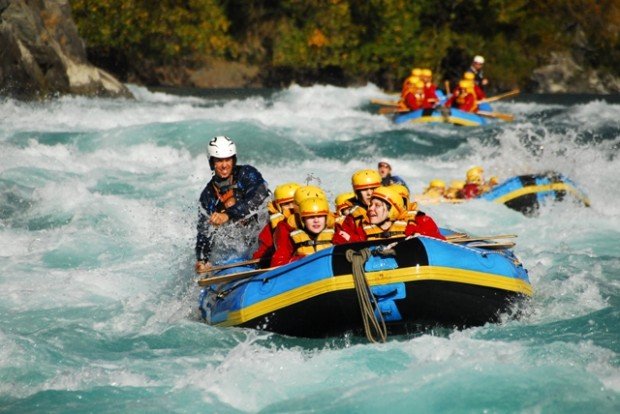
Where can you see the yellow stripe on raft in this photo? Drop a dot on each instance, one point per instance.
(451, 120)
(345, 282)
(541, 188)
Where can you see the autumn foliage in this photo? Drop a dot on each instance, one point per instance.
(376, 40)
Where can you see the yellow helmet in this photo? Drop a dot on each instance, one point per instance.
(466, 84)
(411, 80)
(393, 198)
(284, 193)
(404, 193)
(468, 76)
(419, 84)
(313, 206)
(308, 191)
(437, 183)
(364, 179)
(401, 189)
(427, 73)
(416, 72)
(342, 201)
(474, 175)
(457, 184)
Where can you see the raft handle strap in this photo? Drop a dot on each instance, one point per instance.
(375, 329)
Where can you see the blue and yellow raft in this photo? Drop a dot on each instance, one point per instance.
(445, 115)
(419, 283)
(526, 193)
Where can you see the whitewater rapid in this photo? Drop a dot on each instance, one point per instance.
(98, 208)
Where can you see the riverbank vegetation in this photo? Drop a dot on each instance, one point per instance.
(346, 41)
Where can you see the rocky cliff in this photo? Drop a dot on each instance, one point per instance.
(41, 54)
(564, 74)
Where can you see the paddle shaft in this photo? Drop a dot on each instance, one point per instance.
(390, 103)
(480, 238)
(391, 110)
(235, 264)
(449, 237)
(499, 115)
(493, 246)
(233, 276)
(500, 96)
(384, 102)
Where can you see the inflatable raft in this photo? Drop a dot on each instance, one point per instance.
(417, 283)
(443, 115)
(446, 115)
(526, 193)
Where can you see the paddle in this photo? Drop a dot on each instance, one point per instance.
(425, 200)
(506, 117)
(390, 110)
(500, 96)
(461, 239)
(493, 246)
(233, 276)
(235, 264)
(452, 238)
(498, 115)
(384, 102)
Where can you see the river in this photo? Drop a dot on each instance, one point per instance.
(98, 299)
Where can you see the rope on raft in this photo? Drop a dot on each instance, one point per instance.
(375, 329)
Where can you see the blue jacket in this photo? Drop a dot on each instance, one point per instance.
(250, 190)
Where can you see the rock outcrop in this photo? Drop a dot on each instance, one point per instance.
(222, 74)
(564, 75)
(41, 54)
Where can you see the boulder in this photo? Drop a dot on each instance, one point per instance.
(41, 54)
(222, 74)
(564, 75)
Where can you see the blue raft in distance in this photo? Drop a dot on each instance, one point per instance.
(443, 115)
(526, 193)
(446, 115)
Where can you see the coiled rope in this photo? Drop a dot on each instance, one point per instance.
(375, 329)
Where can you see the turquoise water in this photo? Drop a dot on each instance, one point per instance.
(98, 308)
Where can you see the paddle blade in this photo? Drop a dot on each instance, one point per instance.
(498, 115)
(384, 102)
(389, 110)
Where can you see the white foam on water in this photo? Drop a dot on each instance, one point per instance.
(82, 379)
(110, 226)
(595, 114)
(270, 375)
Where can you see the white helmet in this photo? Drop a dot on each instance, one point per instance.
(221, 147)
(478, 59)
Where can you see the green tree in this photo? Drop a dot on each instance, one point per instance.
(164, 32)
(316, 34)
(370, 40)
